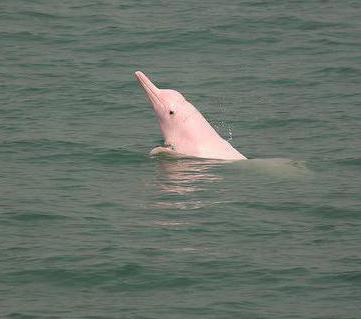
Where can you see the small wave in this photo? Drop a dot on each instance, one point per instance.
(298, 23)
(339, 71)
(354, 161)
(40, 143)
(119, 156)
(33, 216)
(46, 150)
(40, 15)
(170, 223)
(341, 277)
(19, 315)
(286, 122)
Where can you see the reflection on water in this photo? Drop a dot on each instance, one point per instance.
(186, 175)
(182, 183)
(182, 179)
(184, 204)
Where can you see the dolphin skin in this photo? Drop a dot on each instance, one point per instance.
(185, 131)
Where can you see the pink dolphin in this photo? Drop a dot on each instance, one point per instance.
(186, 132)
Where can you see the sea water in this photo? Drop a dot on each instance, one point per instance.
(91, 226)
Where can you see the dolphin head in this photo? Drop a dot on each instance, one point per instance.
(184, 129)
(171, 109)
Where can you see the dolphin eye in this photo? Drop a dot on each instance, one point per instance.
(171, 112)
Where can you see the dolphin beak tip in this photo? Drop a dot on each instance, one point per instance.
(145, 82)
(141, 77)
(138, 74)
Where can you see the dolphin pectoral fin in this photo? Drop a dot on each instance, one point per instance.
(166, 151)
(162, 150)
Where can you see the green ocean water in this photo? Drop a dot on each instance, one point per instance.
(91, 226)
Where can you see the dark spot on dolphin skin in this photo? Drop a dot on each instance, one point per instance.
(172, 147)
(171, 112)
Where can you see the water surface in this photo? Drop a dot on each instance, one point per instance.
(91, 226)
